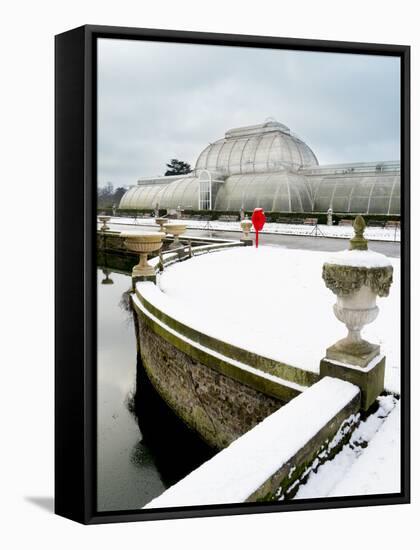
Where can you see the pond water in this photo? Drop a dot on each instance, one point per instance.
(143, 448)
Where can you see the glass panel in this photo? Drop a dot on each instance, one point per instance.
(378, 205)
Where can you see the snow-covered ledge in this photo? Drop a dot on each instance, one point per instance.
(270, 461)
(357, 276)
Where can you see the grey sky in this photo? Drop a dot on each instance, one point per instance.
(158, 101)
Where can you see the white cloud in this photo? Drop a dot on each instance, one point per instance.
(159, 100)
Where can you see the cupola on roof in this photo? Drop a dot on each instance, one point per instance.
(266, 147)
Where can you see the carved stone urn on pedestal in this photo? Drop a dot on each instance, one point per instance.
(143, 244)
(357, 276)
(161, 222)
(104, 220)
(246, 225)
(175, 229)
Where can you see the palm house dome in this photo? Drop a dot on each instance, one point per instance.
(268, 166)
(266, 147)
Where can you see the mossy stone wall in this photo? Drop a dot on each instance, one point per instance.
(217, 407)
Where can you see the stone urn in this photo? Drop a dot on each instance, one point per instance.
(329, 216)
(104, 220)
(357, 276)
(161, 222)
(143, 244)
(175, 229)
(246, 225)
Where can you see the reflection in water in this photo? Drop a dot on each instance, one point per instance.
(143, 448)
(107, 280)
(176, 449)
(125, 303)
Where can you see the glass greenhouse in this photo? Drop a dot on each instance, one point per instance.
(267, 166)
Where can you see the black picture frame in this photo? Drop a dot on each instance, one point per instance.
(75, 265)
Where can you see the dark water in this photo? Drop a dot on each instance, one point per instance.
(143, 448)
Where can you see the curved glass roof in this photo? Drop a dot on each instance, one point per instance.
(260, 148)
(182, 192)
(278, 192)
(285, 191)
(142, 196)
(266, 166)
(362, 193)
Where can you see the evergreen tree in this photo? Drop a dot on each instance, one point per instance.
(177, 167)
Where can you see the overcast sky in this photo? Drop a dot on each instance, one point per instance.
(158, 101)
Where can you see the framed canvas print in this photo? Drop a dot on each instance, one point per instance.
(232, 274)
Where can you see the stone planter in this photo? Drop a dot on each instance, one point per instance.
(246, 226)
(104, 220)
(143, 244)
(175, 229)
(355, 311)
(161, 222)
(357, 277)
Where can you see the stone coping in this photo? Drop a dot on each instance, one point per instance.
(289, 374)
(284, 371)
(271, 460)
(263, 382)
(192, 238)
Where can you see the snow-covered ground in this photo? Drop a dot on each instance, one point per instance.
(272, 301)
(343, 232)
(361, 470)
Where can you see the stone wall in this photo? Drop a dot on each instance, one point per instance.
(217, 407)
(269, 462)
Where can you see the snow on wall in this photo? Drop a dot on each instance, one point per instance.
(221, 295)
(359, 258)
(335, 231)
(368, 464)
(238, 471)
(378, 468)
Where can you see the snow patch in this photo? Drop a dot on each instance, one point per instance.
(359, 258)
(335, 231)
(368, 464)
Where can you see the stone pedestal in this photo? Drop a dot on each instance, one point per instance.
(104, 220)
(369, 379)
(357, 277)
(329, 217)
(246, 228)
(137, 278)
(143, 244)
(175, 229)
(161, 222)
